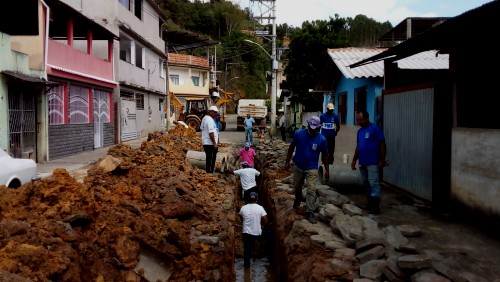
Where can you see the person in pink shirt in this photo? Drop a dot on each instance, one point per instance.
(247, 154)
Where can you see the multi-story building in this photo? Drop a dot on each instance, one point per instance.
(189, 76)
(73, 112)
(97, 76)
(140, 71)
(80, 109)
(141, 68)
(23, 81)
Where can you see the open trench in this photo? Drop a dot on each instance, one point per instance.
(268, 258)
(263, 263)
(345, 244)
(146, 214)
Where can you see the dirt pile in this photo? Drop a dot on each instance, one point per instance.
(135, 203)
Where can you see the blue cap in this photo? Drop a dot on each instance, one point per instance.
(253, 195)
(248, 144)
(244, 164)
(314, 122)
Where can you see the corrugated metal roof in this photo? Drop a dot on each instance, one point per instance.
(344, 57)
(426, 60)
(445, 37)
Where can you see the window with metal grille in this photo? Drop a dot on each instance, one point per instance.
(78, 105)
(174, 78)
(139, 101)
(56, 105)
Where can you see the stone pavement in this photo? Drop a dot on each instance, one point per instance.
(81, 160)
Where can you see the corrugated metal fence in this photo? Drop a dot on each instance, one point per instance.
(408, 128)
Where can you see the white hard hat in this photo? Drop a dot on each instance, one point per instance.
(213, 108)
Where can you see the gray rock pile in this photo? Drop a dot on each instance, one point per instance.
(361, 250)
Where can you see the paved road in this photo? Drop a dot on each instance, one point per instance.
(231, 135)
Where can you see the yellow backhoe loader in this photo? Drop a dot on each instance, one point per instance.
(196, 109)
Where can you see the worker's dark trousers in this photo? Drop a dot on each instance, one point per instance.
(248, 245)
(210, 156)
(283, 133)
(330, 140)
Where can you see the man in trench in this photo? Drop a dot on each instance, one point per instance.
(248, 178)
(253, 216)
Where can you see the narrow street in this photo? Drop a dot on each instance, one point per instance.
(455, 247)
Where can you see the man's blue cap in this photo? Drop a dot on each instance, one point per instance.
(244, 164)
(248, 144)
(314, 122)
(253, 195)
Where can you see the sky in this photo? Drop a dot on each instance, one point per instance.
(294, 12)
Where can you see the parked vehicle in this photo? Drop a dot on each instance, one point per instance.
(195, 109)
(15, 172)
(256, 108)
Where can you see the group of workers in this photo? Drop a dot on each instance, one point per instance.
(305, 149)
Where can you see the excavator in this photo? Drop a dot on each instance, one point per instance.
(197, 108)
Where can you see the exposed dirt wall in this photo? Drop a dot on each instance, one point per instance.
(133, 200)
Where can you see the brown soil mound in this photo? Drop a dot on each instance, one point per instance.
(133, 200)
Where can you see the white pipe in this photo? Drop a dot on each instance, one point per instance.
(340, 175)
(197, 158)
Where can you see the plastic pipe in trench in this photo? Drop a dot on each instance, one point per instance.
(198, 159)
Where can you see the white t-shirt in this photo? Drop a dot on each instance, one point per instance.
(207, 126)
(252, 214)
(282, 121)
(247, 177)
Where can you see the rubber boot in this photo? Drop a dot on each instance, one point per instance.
(368, 204)
(374, 205)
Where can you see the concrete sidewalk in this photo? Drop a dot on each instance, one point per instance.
(81, 160)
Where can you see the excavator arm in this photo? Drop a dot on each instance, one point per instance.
(174, 101)
(222, 101)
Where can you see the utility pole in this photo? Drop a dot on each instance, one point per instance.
(267, 11)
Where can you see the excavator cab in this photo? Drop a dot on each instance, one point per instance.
(192, 110)
(196, 109)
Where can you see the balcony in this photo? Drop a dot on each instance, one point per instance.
(71, 59)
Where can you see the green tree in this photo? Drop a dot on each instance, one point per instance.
(308, 53)
(365, 32)
(304, 60)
